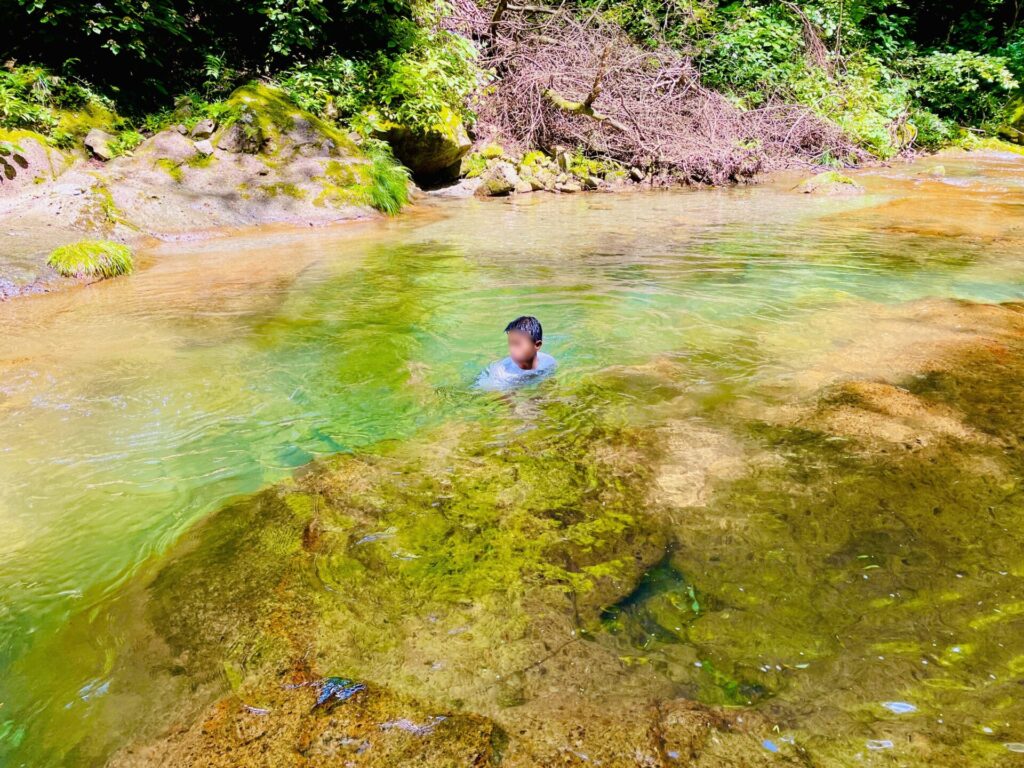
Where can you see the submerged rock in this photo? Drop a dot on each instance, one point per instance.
(830, 183)
(289, 728)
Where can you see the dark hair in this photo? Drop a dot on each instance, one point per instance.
(528, 325)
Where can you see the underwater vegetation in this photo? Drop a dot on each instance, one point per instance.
(519, 588)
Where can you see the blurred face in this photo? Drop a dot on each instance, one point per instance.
(522, 349)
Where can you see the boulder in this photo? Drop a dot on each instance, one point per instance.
(1013, 128)
(264, 120)
(498, 180)
(431, 155)
(830, 183)
(204, 147)
(167, 145)
(27, 158)
(534, 177)
(204, 129)
(97, 141)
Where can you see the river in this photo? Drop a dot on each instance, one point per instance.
(134, 408)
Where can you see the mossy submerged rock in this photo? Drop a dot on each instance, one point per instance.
(92, 258)
(830, 183)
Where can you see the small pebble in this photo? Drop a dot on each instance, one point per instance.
(879, 744)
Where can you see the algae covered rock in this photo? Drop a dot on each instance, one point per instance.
(1013, 128)
(263, 120)
(289, 726)
(434, 154)
(498, 180)
(92, 258)
(267, 161)
(830, 183)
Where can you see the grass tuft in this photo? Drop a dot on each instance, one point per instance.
(388, 190)
(92, 258)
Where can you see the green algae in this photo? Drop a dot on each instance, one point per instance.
(264, 114)
(171, 168)
(398, 294)
(92, 258)
(437, 546)
(283, 189)
(905, 562)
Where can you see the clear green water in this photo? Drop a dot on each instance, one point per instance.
(130, 410)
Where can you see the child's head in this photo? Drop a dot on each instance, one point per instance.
(525, 337)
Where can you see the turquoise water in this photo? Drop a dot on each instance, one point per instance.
(130, 409)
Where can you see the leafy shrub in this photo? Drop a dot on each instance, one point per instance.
(651, 22)
(331, 87)
(968, 87)
(34, 99)
(434, 75)
(431, 78)
(932, 131)
(868, 100)
(125, 142)
(757, 52)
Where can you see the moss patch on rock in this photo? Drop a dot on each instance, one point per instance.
(262, 119)
(92, 258)
(830, 183)
(1013, 128)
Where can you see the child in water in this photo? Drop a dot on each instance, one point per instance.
(525, 361)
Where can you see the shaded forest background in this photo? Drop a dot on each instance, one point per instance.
(889, 75)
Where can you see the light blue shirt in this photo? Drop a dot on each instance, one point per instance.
(505, 374)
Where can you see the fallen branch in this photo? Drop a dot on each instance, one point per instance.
(563, 81)
(581, 108)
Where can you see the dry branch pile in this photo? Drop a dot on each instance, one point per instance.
(581, 83)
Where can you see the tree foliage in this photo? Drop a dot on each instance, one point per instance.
(147, 49)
